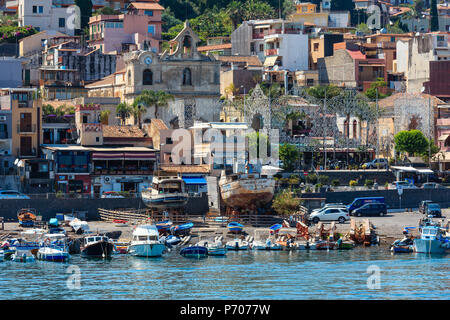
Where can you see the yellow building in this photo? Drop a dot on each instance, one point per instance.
(23, 115)
(306, 7)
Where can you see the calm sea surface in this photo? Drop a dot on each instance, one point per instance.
(240, 275)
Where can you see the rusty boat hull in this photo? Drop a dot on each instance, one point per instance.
(247, 192)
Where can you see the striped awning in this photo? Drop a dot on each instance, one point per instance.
(139, 156)
(443, 137)
(107, 156)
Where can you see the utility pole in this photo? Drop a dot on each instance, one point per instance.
(378, 141)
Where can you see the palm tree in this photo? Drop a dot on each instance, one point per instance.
(138, 110)
(123, 111)
(153, 98)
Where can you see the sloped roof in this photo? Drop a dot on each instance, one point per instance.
(389, 102)
(146, 6)
(356, 54)
(106, 81)
(122, 132)
(250, 60)
(159, 124)
(215, 47)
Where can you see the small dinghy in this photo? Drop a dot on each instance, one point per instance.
(172, 240)
(52, 254)
(164, 226)
(120, 223)
(22, 256)
(215, 248)
(182, 228)
(237, 244)
(194, 252)
(275, 228)
(235, 227)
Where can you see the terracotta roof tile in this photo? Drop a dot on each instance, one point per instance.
(106, 81)
(356, 54)
(250, 60)
(215, 47)
(389, 102)
(146, 6)
(122, 132)
(201, 168)
(159, 124)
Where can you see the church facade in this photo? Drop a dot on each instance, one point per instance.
(191, 77)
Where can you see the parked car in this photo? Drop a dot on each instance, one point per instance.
(371, 209)
(111, 194)
(378, 163)
(359, 202)
(404, 185)
(330, 214)
(330, 205)
(423, 205)
(432, 185)
(12, 194)
(434, 210)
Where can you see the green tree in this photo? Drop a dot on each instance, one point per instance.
(362, 27)
(319, 92)
(418, 7)
(124, 111)
(151, 98)
(235, 12)
(258, 10)
(371, 93)
(169, 20)
(284, 203)
(85, 10)
(289, 154)
(413, 142)
(288, 8)
(434, 22)
(106, 11)
(104, 116)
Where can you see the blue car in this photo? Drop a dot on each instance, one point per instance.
(359, 202)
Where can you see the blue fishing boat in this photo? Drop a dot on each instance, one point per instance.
(163, 225)
(182, 228)
(235, 227)
(194, 252)
(432, 238)
(275, 228)
(53, 222)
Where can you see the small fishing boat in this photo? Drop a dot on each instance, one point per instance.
(97, 246)
(22, 256)
(432, 238)
(164, 226)
(26, 217)
(237, 244)
(275, 228)
(266, 245)
(182, 228)
(344, 244)
(54, 254)
(215, 248)
(172, 240)
(194, 252)
(53, 222)
(235, 227)
(259, 245)
(145, 242)
(324, 245)
(78, 226)
(120, 247)
(120, 223)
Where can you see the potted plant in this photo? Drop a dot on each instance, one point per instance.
(369, 183)
(353, 184)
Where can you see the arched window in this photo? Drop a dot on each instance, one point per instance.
(355, 127)
(187, 79)
(147, 77)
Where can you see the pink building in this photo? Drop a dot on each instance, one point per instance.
(140, 27)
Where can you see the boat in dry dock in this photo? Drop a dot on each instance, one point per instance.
(246, 189)
(167, 191)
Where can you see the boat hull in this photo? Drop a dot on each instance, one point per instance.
(147, 250)
(402, 249)
(194, 252)
(52, 255)
(98, 249)
(428, 246)
(243, 193)
(164, 200)
(217, 251)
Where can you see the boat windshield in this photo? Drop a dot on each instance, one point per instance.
(430, 231)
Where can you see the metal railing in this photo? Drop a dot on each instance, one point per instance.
(26, 128)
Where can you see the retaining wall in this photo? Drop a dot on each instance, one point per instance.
(409, 199)
(48, 208)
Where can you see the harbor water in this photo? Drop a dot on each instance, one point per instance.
(362, 273)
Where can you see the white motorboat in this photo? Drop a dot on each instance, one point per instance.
(22, 256)
(54, 254)
(79, 226)
(215, 248)
(432, 238)
(237, 244)
(266, 245)
(145, 242)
